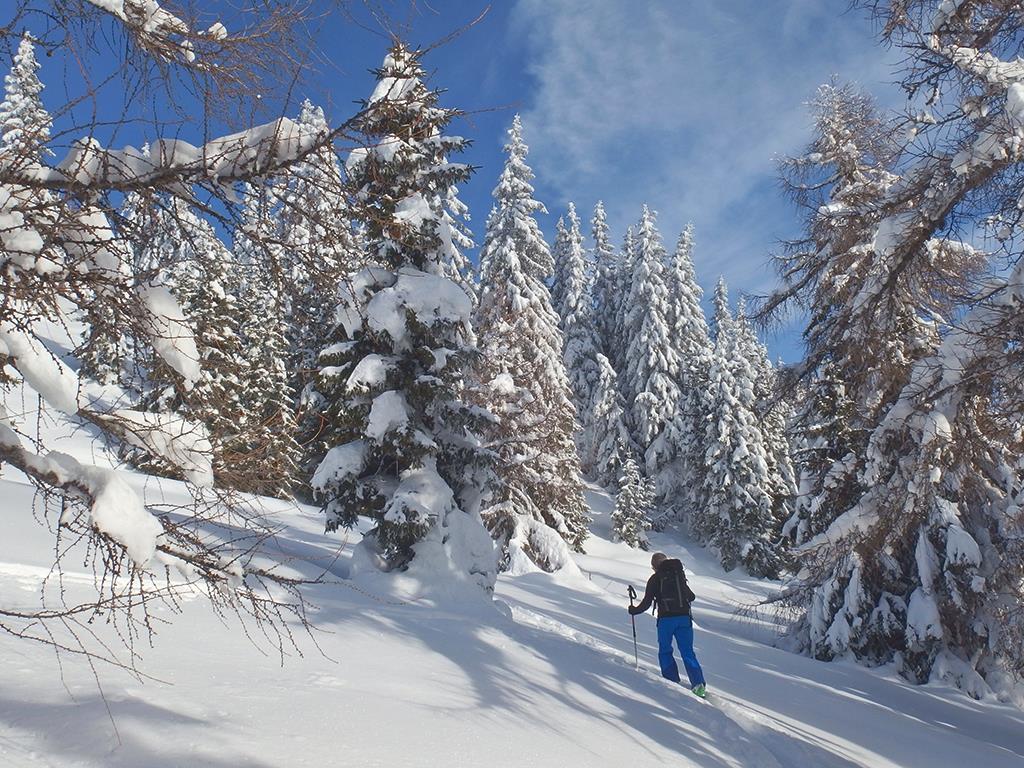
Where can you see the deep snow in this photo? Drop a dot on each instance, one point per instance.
(544, 678)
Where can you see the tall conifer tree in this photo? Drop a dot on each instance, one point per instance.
(689, 332)
(606, 278)
(627, 263)
(609, 436)
(631, 518)
(537, 502)
(272, 451)
(318, 248)
(736, 516)
(651, 356)
(24, 122)
(577, 323)
(402, 450)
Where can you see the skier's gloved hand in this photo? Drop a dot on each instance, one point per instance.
(632, 610)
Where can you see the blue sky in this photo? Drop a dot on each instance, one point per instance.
(682, 104)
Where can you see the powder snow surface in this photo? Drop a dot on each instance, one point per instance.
(543, 678)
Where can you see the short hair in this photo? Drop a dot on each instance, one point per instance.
(658, 558)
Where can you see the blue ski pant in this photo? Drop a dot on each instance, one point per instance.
(680, 628)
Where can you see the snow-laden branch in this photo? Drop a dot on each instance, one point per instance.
(158, 31)
(115, 510)
(234, 158)
(182, 443)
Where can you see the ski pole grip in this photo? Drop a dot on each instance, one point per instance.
(632, 593)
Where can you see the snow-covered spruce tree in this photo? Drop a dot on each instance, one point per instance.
(167, 257)
(456, 238)
(24, 122)
(103, 353)
(609, 436)
(206, 288)
(631, 518)
(605, 291)
(922, 566)
(269, 455)
(560, 261)
(453, 228)
(651, 357)
(536, 506)
(735, 515)
(182, 253)
(152, 242)
(686, 317)
(627, 264)
(722, 319)
(317, 249)
(773, 413)
(689, 333)
(577, 322)
(310, 219)
(24, 132)
(393, 380)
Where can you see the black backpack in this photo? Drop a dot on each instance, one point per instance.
(674, 594)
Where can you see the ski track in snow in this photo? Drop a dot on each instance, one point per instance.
(724, 727)
(33, 577)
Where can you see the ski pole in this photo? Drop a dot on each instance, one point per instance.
(632, 618)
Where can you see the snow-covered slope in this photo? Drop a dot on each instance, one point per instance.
(545, 678)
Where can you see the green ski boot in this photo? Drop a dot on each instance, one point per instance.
(700, 690)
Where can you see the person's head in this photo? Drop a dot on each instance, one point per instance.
(657, 559)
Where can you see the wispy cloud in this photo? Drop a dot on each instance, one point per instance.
(686, 106)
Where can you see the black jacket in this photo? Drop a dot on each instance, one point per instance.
(666, 608)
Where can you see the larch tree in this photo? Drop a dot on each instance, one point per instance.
(66, 248)
(402, 452)
(922, 564)
(536, 507)
(841, 181)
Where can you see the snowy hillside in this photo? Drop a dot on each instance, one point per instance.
(401, 680)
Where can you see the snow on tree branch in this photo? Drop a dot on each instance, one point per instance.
(170, 163)
(115, 510)
(158, 31)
